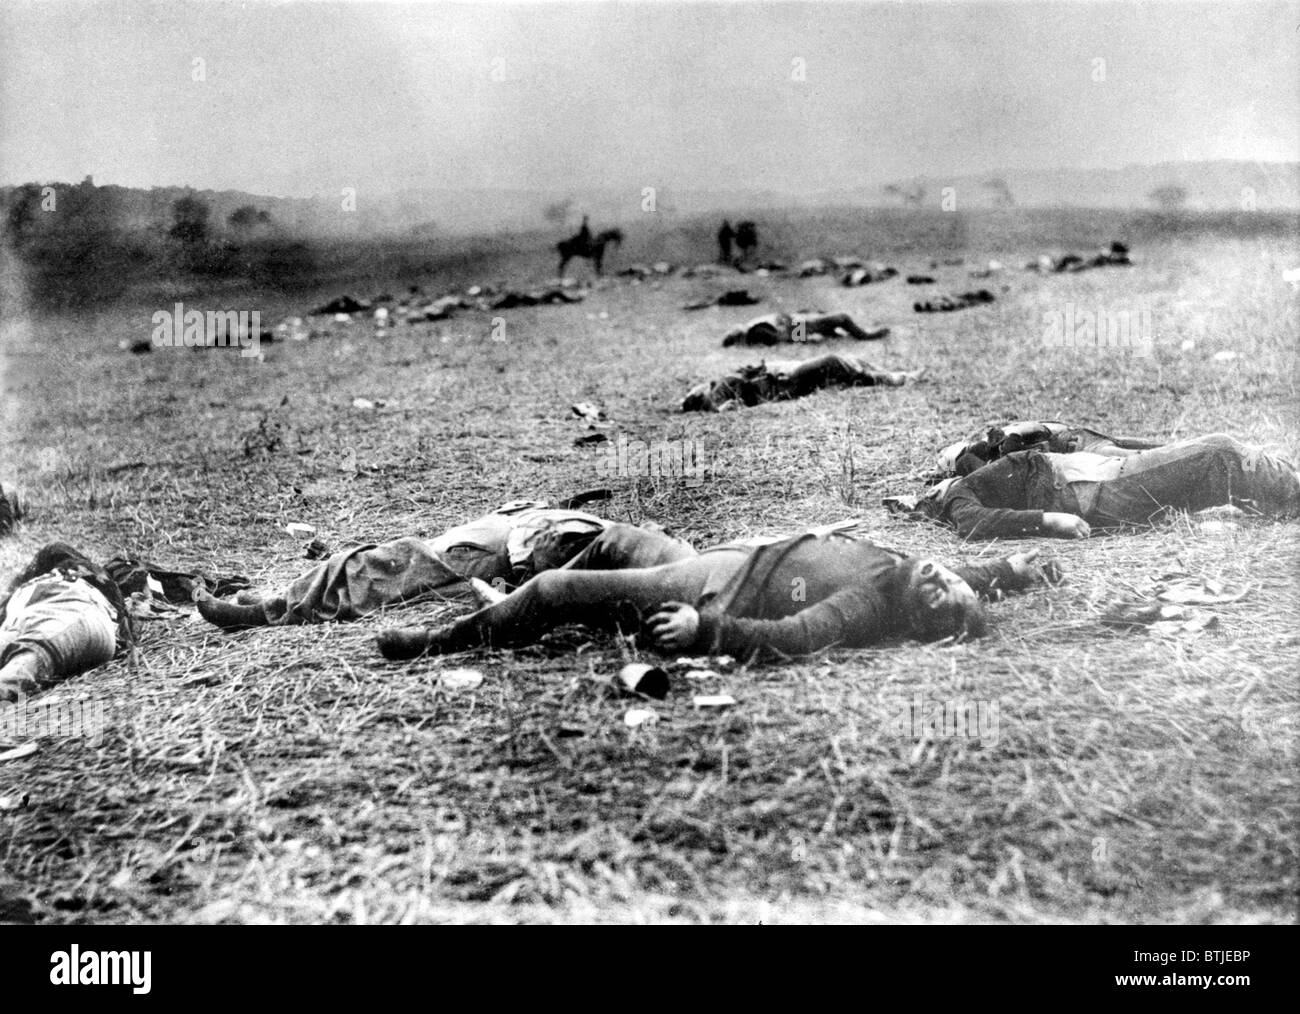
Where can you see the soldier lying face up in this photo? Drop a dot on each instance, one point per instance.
(785, 597)
(62, 615)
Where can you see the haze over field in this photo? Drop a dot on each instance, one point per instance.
(422, 108)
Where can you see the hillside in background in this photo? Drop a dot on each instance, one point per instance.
(1209, 186)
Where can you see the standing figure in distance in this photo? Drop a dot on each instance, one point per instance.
(725, 237)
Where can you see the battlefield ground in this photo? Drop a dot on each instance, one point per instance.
(292, 775)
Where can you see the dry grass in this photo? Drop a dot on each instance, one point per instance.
(293, 776)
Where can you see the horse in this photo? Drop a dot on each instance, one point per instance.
(592, 248)
(746, 239)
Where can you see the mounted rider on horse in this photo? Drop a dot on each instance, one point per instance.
(584, 244)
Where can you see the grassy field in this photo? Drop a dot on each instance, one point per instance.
(291, 775)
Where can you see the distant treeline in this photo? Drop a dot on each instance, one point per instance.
(78, 244)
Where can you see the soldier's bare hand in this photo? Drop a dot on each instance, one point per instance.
(1066, 526)
(675, 626)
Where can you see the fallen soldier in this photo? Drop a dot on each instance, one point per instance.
(785, 380)
(630, 547)
(825, 265)
(732, 297)
(988, 271)
(62, 616)
(512, 298)
(964, 457)
(640, 272)
(498, 547)
(947, 304)
(868, 275)
(787, 597)
(342, 304)
(706, 271)
(439, 309)
(778, 328)
(1116, 255)
(1044, 493)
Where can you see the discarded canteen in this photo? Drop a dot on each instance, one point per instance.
(713, 701)
(640, 716)
(639, 678)
(298, 528)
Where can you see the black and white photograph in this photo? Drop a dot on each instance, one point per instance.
(710, 463)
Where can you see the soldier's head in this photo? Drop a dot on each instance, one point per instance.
(941, 604)
(734, 336)
(705, 397)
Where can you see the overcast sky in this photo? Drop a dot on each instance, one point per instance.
(304, 98)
